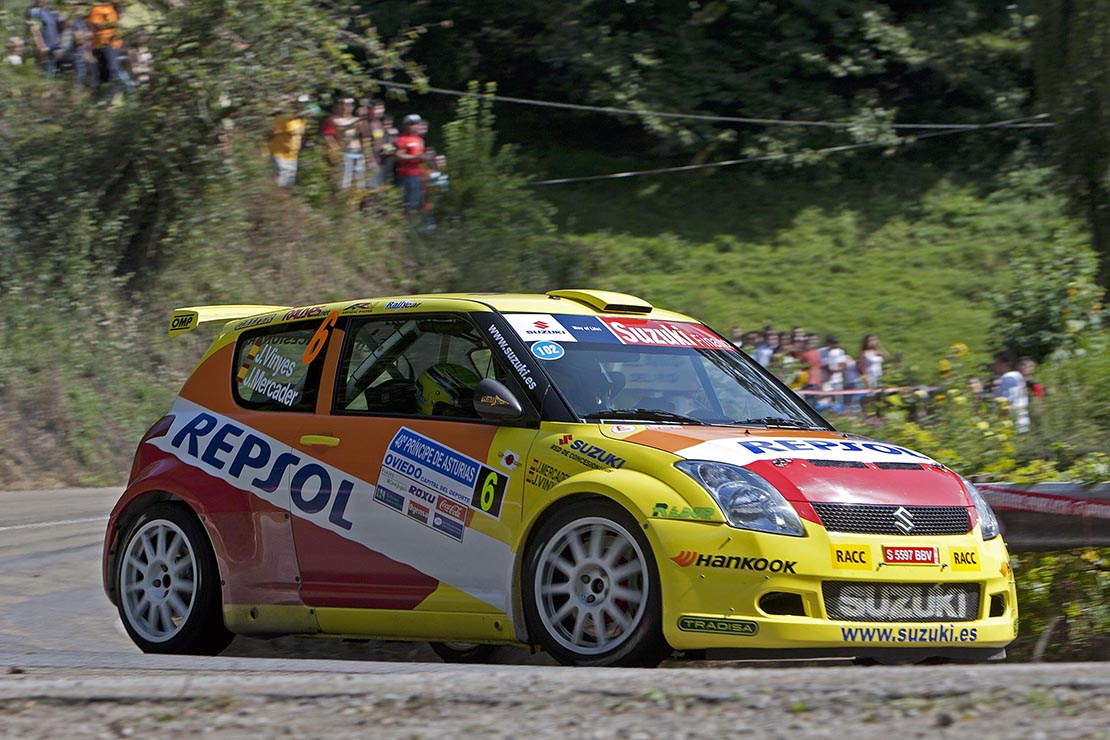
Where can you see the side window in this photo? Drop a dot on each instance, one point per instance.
(426, 366)
(270, 373)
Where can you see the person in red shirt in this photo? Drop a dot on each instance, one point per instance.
(410, 162)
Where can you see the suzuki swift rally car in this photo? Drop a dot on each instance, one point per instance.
(577, 471)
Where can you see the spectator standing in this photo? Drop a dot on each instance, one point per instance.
(811, 362)
(1010, 385)
(141, 60)
(76, 45)
(387, 153)
(1027, 366)
(410, 163)
(107, 47)
(15, 51)
(344, 143)
(764, 350)
(286, 137)
(45, 25)
(870, 361)
(833, 365)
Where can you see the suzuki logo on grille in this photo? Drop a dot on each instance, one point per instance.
(903, 519)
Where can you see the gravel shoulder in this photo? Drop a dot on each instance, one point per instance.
(249, 697)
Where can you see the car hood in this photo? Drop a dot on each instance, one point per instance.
(811, 466)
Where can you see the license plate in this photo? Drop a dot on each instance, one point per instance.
(903, 555)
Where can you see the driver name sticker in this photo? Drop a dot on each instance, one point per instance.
(653, 333)
(546, 350)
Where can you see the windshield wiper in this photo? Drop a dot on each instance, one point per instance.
(643, 414)
(775, 421)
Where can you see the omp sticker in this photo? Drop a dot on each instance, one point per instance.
(333, 499)
(851, 557)
(964, 558)
(546, 350)
(534, 326)
(666, 334)
(747, 451)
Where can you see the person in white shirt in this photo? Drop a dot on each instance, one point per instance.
(833, 364)
(1010, 384)
(15, 51)
(870, 361)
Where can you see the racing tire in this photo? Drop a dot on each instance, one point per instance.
(168, 584)
(591, 589)
(463, 652)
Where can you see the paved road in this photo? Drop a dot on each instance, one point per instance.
(68, 670)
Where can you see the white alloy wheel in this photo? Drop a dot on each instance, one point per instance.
(159, 580)
(591, 586)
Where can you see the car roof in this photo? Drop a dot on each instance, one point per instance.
(239, 318)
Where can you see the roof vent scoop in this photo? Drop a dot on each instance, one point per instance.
(604, 300)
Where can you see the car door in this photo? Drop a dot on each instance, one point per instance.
(430, 492)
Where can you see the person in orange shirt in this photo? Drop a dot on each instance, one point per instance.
(107, 45)
(286, 135)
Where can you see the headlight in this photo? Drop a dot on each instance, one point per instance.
(746, 500)
(987, 519)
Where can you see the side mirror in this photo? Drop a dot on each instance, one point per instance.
(492, 400)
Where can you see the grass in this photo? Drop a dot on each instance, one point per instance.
(897, 248)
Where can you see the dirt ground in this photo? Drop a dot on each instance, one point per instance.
(406, 700)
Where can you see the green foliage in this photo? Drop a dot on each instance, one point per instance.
(491, 231)
(1072, 62)
(1053, 303)
(1064, 599)
(860, 62)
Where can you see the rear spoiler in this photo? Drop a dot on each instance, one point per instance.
(187, 319)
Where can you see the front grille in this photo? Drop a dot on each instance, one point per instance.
(837, 463)
(894, 520)
(852, 601)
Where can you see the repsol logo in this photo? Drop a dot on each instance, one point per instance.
(686, 558)
(239, 454)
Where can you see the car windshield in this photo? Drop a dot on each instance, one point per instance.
(669, 384)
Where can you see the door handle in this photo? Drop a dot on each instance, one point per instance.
(322, 440)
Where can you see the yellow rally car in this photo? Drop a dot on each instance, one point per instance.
(578, 471)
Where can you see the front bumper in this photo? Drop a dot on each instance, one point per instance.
(729, 589)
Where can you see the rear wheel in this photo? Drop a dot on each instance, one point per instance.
(463, 652)
(168, 584)
(591, 589)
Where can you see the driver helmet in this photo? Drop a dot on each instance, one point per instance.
(446, 389)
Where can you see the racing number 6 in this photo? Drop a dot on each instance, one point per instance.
(320, 338)
(489, 491)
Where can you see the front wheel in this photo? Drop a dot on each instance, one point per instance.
(591, 589)
(169, 584)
